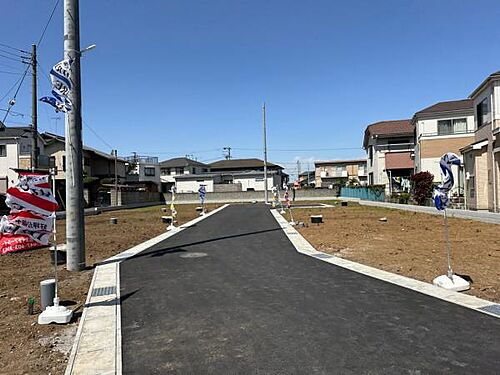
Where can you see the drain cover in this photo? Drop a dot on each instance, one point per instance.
(193, 255)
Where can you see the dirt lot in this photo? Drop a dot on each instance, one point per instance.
(409, 243)
(25, 346)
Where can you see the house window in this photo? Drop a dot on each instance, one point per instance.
(455, 126)
(86, 161)
(483, 112)
(179, 170)
(149, 171)
(370, 155)
(370, 178)
(3, 150)
(165, 171)
(64, 162)
(25, 149)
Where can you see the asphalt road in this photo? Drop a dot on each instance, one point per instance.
(232, 296)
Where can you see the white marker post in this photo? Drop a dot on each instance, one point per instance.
(449, 281)
(56, 313)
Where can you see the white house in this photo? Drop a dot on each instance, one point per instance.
(15, 153)
(171, 168)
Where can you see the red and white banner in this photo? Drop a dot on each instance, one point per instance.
(31, 218)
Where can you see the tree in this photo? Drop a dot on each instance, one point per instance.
(422, 187)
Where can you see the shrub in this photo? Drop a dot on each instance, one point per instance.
(422, 185)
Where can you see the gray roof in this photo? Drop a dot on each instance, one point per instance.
(14, 131)
(48, 137)
(242, 163)
(347, 161)
(449, 106)
(181, 162)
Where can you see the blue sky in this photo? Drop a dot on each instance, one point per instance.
(170, 78)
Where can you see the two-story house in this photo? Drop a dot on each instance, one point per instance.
(144, 170)
(97, 165)
(332, 172)
(482, 156)
(441, 128)
(389, 149)
(171, 168)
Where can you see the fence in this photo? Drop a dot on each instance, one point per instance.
(363, 193)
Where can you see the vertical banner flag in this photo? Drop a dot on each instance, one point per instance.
(287, 197)
(172, 204)
(202, 191)
(32, 210)
(60, 76)
(440, 196)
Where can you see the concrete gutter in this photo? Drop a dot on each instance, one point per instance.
(486, 217)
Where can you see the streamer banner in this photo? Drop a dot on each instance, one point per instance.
(202, 191)
(441, 193)
(32, 210)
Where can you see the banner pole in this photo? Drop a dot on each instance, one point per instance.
(54, 239)
(448, 245)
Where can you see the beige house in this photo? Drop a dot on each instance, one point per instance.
(331, 172)
(95, 163)
(441, 128)
(389, 149)
(482, 156)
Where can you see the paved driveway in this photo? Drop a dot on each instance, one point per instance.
(232, 296)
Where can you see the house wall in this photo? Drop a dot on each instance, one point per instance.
(256, 183)
(192, 186)
(10, 160)
(352, 171)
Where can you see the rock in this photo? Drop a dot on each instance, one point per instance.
(383, 219)
(15, 299)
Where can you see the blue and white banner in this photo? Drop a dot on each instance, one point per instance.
(60, 76)
(202, 191)
(440, 196)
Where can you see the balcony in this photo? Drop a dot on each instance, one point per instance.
(442, 133)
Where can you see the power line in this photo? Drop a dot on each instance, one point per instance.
(11, 58)
(300, 150)
(48, 22)
(12, 48)
(14, 73)
(97, 135)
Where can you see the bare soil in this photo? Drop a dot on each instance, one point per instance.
(409, 243)
(29, 348)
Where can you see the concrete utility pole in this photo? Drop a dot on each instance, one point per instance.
(34, 110)
(75, 224)
(266, 197)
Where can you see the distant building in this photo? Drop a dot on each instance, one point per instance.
(441, 128)
(307, 179)
(482, 156)
(145, 169)
(250, 173)
(389, 149)
(332, 172)
(171, 168)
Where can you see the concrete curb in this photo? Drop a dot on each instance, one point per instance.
(486, 217)
(304, 247)
(97, 345)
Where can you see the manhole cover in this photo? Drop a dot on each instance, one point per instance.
(193, 255)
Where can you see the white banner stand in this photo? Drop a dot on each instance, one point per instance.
(56, 313)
